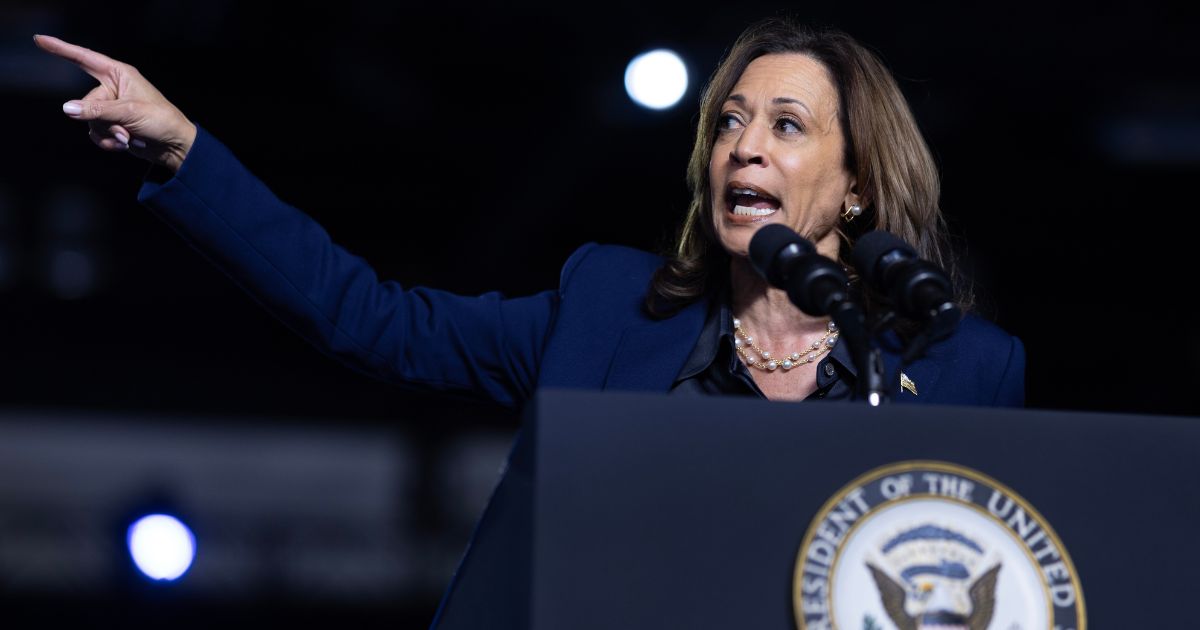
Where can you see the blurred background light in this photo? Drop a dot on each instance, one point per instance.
(162, 546)
(1153, 139)
(74, 242)
(656, 79)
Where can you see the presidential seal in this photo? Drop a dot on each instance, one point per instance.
(923, 545)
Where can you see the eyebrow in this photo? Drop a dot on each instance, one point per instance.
(779, 100)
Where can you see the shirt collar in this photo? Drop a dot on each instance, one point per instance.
(841, 354)
(719, 326)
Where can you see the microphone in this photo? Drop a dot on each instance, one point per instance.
(920, 289)
(818, 286)
(774, 249)
(788, 261)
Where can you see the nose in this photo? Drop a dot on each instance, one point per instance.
(751, 146)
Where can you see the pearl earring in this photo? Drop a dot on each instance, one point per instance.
(852, 212)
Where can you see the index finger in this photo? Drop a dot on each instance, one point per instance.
(92, 62)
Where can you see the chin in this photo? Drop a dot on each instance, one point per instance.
(735, 239)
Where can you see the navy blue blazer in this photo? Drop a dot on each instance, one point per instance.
(590, 333)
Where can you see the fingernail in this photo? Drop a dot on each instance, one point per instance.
(122, 138)
(72, 109)
(138, 143)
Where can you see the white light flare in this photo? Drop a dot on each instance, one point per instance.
(656, 79)
(162, 547)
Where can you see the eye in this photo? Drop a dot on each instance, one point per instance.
(789, 125)
(727, 121)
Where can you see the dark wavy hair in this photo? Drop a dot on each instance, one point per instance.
(898, 182)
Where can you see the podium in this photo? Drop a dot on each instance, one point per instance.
(629, 510)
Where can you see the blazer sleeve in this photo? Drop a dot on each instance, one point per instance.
(485, 346)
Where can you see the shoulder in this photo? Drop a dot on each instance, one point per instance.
(975, 331)
(985, 363)
(608, 267)
(977, 342)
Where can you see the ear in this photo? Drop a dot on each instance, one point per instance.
(852, 195)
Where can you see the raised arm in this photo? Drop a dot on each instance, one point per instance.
(486, 346)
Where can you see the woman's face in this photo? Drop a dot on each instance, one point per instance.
(778, 156)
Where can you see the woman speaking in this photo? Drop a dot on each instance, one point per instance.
(799, 127)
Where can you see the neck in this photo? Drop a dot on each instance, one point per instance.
(766, 312)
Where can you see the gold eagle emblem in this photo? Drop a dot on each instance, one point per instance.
(901, 603)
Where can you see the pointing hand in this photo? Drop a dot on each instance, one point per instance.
(125, 112)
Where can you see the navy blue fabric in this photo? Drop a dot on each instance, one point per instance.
(590, 333)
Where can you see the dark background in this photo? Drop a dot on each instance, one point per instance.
(473, 147)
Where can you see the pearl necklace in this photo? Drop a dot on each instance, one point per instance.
(744, 343)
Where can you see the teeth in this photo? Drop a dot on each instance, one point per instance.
(753, 212)
(744, 191)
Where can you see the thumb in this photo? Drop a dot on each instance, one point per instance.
(159, 131)
(112, 111)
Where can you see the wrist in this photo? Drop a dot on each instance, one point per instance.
(176, 151)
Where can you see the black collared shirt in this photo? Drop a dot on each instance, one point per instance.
(714, 368)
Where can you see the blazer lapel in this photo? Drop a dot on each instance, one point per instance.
(650, 354)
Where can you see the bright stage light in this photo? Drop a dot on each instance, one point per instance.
(656, 79)
(162, 547)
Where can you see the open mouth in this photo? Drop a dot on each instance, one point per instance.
(749, 201)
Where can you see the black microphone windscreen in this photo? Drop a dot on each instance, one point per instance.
(768, 242)
(871, 246)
